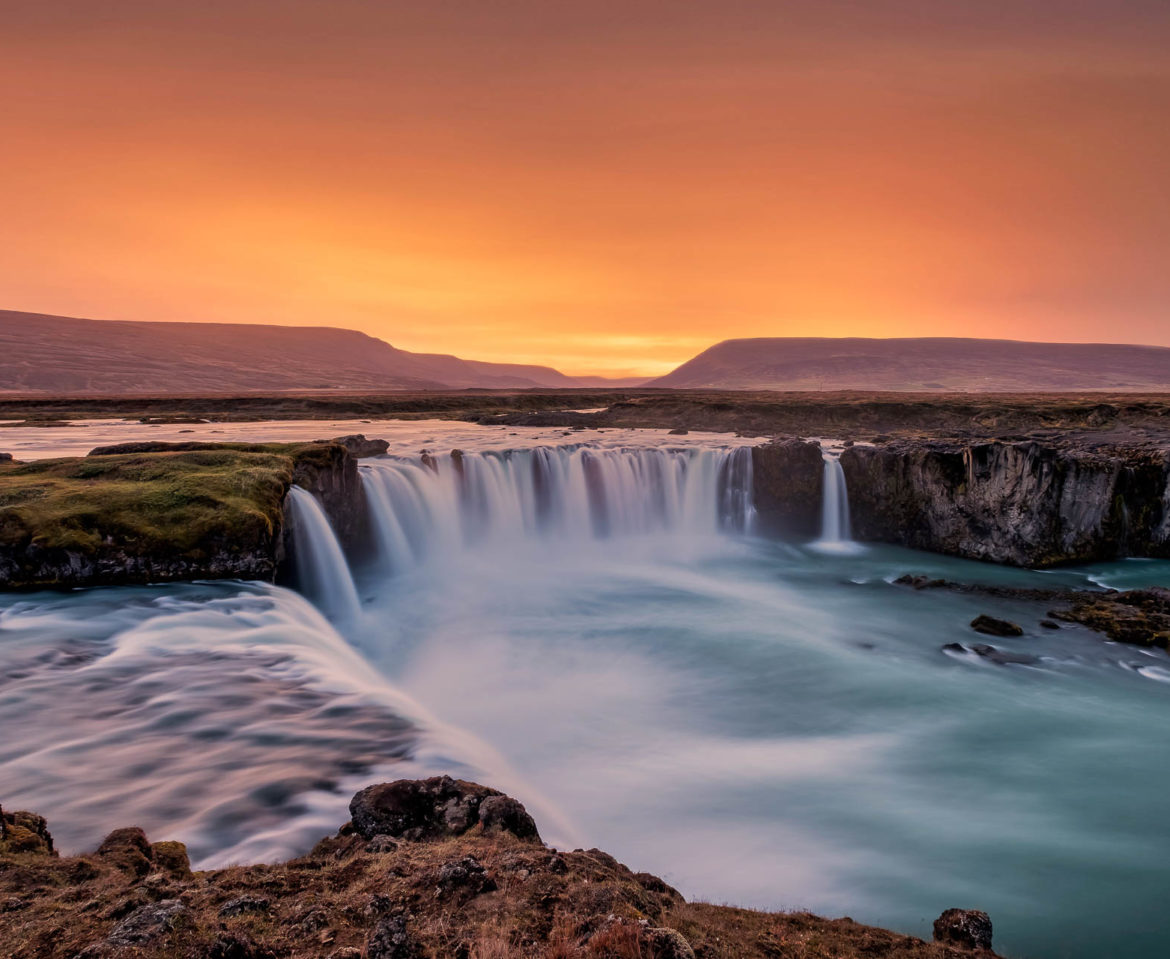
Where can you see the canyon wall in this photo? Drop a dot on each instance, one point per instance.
(1024, 504)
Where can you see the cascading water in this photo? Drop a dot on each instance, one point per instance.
(835, 526)
(423, 507)
(322, 571)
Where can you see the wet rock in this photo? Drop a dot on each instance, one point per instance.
(465, 876)
(391, 940)
(1140, 617)
(128, 849)
(1049, 624)
(6, 458)
(26, 832)
(991, 626)
(243, 904)
(968, 928)
(1002, 657)
(435, 808)
(679, 431)
(147, 922)
(171, 857)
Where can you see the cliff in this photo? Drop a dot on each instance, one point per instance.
(1025, 504)
(429, 869)
(786, 484)
(150, 512)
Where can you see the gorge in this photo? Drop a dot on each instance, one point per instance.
(650, 646)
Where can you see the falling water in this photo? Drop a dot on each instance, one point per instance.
(420, 507)
(321, 569)
(835, 527)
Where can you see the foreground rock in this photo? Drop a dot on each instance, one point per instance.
(430, 869)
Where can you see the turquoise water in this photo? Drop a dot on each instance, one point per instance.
(758, 723)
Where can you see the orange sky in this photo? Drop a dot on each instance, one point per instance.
(607, 187)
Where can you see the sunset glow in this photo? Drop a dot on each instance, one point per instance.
(604, 187)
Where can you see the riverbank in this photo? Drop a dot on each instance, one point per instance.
(433, 868)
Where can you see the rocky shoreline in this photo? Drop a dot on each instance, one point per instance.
(425, 869)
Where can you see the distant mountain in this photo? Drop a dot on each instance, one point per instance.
(60, 354)
(813, 363)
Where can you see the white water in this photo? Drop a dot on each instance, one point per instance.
(836, 531)
(321, 568)
(423, 508)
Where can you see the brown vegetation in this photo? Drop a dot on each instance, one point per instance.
(472, 889)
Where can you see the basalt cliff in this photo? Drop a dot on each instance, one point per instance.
(1022, 503)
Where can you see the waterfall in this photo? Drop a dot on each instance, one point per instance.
(834, 503)
(321, 569)
(422, 507)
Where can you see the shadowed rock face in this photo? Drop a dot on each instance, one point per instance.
(787, 480)
(1018, 503)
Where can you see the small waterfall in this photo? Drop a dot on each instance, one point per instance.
(835, 527)
(420, 509)
(321, 569)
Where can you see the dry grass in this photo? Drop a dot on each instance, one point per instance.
(578, 905)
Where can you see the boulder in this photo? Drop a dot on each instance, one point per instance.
(436, 808)
(242, 905)
(128, 849)
(147, 922)
(171, 857)
(968, 928)
(991, 626)
(391, 940)
(22, 831)
(465, 877)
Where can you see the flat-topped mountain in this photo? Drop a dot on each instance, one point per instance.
(60, 354)
(931, 364)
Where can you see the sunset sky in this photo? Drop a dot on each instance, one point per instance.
(605, 186)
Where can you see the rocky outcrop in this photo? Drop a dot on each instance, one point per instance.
(787, 480)
(159, 512)
(1140, 617)
(1023, 504)
(437, 807)
(968, 928)
(451, 884)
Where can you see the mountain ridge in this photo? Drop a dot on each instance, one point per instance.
(42, 352)
(926, 364)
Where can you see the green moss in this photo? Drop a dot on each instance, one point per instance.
(164, 502)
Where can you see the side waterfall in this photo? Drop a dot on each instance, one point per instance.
(422, 506)
(835, 526)
(320, 564)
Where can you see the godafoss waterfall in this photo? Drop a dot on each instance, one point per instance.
(597, 624)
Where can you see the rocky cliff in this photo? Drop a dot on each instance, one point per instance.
(151, 512)
(1021, 503)
(786, 484)
(1024, 504)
